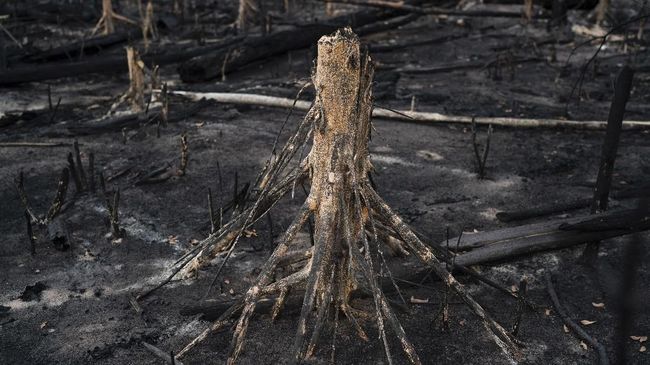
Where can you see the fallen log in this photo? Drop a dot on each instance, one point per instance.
(35, 144)
(512, 242)
(470, 241)
(385, 25)
(83, 47)
(550, 209)
(134, 120)
(462, 66)
(434, 10)
(544, 210)
(253, 48)
(107, 65)
(405, 115)
(380, 48)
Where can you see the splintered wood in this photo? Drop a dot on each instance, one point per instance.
(347, 252)
(135, 94)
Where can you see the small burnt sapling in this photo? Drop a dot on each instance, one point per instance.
(481, 158)
(112, 206)
(49, 221)
(346, 211)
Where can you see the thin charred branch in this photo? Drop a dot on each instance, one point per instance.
(602, 39)
(602, 354)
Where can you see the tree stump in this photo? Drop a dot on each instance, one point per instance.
(248, 12)
(107, 18)
(352, 224)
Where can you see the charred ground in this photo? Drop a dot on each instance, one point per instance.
(81, 312)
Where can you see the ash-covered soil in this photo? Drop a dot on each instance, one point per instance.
(73, 306)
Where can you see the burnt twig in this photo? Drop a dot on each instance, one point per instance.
(603, 39)
(602, 354)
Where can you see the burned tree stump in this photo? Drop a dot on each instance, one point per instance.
(347, 212)
(248, 12)
(107, 19)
